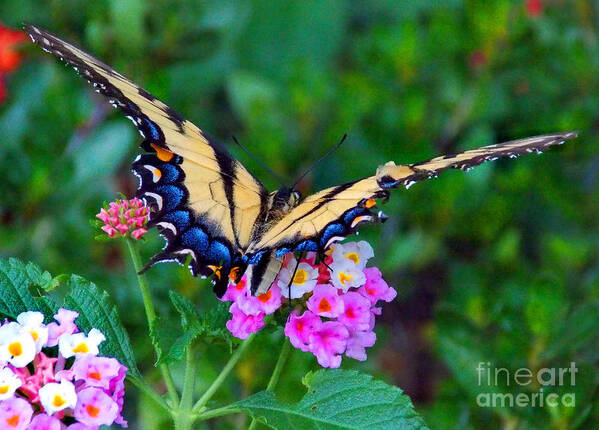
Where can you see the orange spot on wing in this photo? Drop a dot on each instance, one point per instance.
(370, 203)
(216, 270)
(163, 154)
(234, 274)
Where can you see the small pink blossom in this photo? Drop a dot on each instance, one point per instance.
(357, 343)
(375, 287)
(248, 304)
(325, 301)
(66, 324)
(15, 413)
(44, 373)
(235, 290)
(328, 343)
(356, 314)
(117, 388)
(137, 234)
(270, 301)
(299, 328)
(95, 407)
(95, 371)
(123, 217)
(241, 325)
(45, 422)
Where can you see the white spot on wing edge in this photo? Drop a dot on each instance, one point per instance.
(168, 226)
(157, 198)
(333, 240)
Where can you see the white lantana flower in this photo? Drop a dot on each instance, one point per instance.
(304, 280)
(56, 397)
(355, 252)
(17, 346)
(33, 322)
(78, 343)
(345, 275)
(9, 383)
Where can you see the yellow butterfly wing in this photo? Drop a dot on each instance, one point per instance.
(205, 202)
(333, 214)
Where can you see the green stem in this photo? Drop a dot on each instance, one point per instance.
(151, 315)
(148, 391)
(223, 374)
(185, 417)
(219, 412)
(276, 373)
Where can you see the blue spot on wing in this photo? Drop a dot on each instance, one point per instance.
(195, 239)
(171, 196)
(282, 251)
(255, 259)
(351, 214)
(155, 133)
(332, 230)
(218, 253)
(180, 219)
(170, 173)
(307, 245)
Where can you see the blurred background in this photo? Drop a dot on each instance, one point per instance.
(498, 265)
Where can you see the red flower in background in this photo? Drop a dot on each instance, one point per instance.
(10, 58)
(534, 7)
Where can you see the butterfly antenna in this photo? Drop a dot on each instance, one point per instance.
(264, 166)
(329, 152)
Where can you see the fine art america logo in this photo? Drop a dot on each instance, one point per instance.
(539, 386)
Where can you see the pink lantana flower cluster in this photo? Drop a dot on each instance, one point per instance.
(51, 377)
(124, 217)
(335, 303)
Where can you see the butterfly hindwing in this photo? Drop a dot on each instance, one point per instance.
(205, 203)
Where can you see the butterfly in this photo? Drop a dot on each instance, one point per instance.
(216, 216)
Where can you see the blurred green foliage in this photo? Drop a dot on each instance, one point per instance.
(499, 265)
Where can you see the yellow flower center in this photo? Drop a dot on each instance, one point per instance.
(3, 389)
(15, 349)
(301, 276)
(81, 348)
(343, 278)
(58, 401)
(353, 256)
(34, 335)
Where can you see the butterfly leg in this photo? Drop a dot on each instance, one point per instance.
(302, 255)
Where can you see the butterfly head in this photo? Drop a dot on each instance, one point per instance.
(284, 199)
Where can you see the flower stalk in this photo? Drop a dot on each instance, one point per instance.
(151, 316)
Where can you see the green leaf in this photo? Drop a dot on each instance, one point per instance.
(16, 281)
(96, 310)
(210, 324)
(338, 399)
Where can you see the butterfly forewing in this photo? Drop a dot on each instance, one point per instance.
(205, 202)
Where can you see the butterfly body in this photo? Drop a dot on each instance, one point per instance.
(215, 215)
